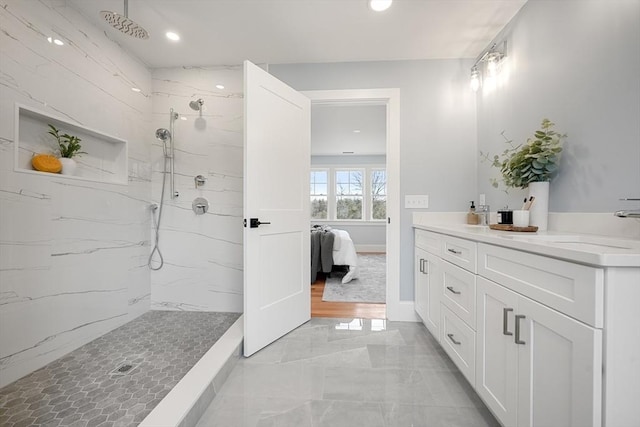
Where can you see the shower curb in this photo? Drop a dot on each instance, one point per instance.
(184, 405)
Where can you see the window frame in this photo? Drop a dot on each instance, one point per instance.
(363, 188)
(328, 172)
(367, 195)
(370, 191)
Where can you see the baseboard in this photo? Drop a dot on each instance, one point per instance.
(402, 311)
(371, 248)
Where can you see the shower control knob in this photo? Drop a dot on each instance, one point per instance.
(200, 206)
(199, 180)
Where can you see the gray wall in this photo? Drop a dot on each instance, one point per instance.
(438, 153)
(348, 159)
(578, 64)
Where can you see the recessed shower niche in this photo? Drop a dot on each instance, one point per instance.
(106, 159)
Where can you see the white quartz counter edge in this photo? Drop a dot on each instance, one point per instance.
(628, 255)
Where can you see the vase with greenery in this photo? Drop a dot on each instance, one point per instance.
(531, 165)
(536, 160)
(69, 147)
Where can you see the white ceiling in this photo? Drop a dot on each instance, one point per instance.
(333, 126)
(217, 32)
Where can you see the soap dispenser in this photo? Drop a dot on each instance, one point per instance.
(472, 216)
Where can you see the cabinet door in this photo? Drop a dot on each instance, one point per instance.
(559, 369)
(420, 279)
(496, 352)
(427, 290)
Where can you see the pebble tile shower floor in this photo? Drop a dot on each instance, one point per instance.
(84, 388)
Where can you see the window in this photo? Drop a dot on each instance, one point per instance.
(378, 194)
(319, 187)
(349, 194)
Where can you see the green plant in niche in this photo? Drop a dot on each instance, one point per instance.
(534, 161)
(69, 145)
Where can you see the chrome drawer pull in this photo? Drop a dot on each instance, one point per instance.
(517, 338)
(452, 340)
(453, 251)
(450, 289)
(421, 265)
(505, 321)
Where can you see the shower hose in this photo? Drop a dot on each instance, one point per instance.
(156, 224)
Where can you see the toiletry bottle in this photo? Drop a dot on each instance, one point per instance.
(472, 216)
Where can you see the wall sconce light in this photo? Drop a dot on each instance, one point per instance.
(475, 79)
(492, 58)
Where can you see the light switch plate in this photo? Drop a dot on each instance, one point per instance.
(416, 202)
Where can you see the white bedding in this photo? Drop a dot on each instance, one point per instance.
(344, 253)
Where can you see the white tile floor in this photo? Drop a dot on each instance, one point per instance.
(336, 372)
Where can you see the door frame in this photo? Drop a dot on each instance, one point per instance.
(396, 310)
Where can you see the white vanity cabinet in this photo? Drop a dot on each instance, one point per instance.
(547, 353)
(458, 306)
(534, 365)
(427, 279)
(546, 339)
(445, 294)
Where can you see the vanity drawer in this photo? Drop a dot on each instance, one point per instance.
(428, 241)
(459, 341)
(460, 252)
(458, 292)
(573, 289)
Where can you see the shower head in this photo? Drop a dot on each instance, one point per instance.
(123, 24)
(196, 105)
(163, 135)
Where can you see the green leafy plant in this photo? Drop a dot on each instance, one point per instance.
(68, 145)
(534, 161)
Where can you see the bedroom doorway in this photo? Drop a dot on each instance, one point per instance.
(358, 135)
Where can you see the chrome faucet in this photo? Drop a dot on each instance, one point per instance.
(628, 213)
(483, 212)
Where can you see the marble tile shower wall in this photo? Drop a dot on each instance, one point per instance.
(203, 264)
(73, 253)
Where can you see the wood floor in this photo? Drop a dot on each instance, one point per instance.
(321, 308)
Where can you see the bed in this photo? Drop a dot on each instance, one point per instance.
(331, 247)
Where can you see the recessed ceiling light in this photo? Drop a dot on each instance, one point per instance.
(220, 86)
(55, 41)
(135, 89)
(172, 36)
(183, 118)
(357, 131)
(380, 5)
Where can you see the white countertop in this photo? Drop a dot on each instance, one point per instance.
(589, 249)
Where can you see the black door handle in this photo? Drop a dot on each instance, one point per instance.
(255, 223)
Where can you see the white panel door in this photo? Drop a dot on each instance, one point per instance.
(560, 369)
(496, 351)
(276, 193)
